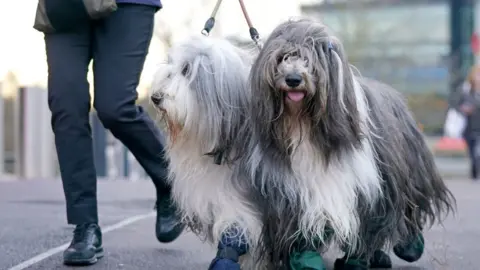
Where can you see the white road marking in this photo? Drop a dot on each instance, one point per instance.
(55, 250)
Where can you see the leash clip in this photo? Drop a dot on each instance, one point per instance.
(209, 24)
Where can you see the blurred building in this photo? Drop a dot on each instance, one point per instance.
(23, 53)
(393, 40)
(23, 66)
(405, 43)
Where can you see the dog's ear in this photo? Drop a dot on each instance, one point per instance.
(266, 102)
(220, 92)
(337, 116)
(339, 80)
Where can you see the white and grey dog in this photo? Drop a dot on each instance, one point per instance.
(202, 94)
(334, 156)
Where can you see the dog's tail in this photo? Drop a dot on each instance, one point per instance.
(414, 193)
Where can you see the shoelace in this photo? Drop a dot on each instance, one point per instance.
(81, 231)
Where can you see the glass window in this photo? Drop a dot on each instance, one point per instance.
(405, 24)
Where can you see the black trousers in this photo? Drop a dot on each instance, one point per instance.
(474, 153)
(118, 46)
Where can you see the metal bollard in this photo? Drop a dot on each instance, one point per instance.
(35, 149)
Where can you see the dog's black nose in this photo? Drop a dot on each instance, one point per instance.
(156, 98)
(293, 80)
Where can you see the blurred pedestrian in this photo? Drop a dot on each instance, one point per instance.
(468, 103)
(117, 44)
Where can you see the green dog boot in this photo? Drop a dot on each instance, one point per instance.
(350, 264)
(306, 260)
(381, 260)
(410, 251)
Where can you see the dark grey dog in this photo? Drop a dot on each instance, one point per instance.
(335, 157)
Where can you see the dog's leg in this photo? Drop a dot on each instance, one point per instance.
(351, 262)
(232, 245)
(306, 259)
(412, 247)
(410, 250)
(306, 254)
(380, 259)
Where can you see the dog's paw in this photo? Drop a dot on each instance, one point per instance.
(350, 264)
(306, 260)
(380, 259)
(339, 263)
(223, 264)
(410, 251)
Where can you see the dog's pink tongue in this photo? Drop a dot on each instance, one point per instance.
(295, 96)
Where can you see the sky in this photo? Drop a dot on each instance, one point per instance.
(22, 48)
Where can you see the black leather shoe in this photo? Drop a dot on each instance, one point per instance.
(168, 226)
(86, 247)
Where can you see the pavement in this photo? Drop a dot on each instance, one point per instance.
(33, 230)
(450, 163)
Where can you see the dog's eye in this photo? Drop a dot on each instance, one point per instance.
(185, 69)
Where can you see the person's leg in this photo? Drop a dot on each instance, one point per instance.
(476, 158)
(68, 56)
(471, 152)
(121, 45)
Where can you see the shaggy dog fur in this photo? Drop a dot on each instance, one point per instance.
(202, 94)
(332, 151)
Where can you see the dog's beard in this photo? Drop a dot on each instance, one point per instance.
(294, 109)
(291, 103)
(289, 127)
(173, 127)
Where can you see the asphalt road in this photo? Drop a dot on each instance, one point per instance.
(32, 225)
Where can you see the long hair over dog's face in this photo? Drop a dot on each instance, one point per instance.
(201, 92)
(301, 81)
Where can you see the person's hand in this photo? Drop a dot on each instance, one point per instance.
(467, 109)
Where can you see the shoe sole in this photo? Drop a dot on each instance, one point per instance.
(85, 262)
(169, 237)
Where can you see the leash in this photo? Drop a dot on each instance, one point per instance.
(210, 23)
(253, 31)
